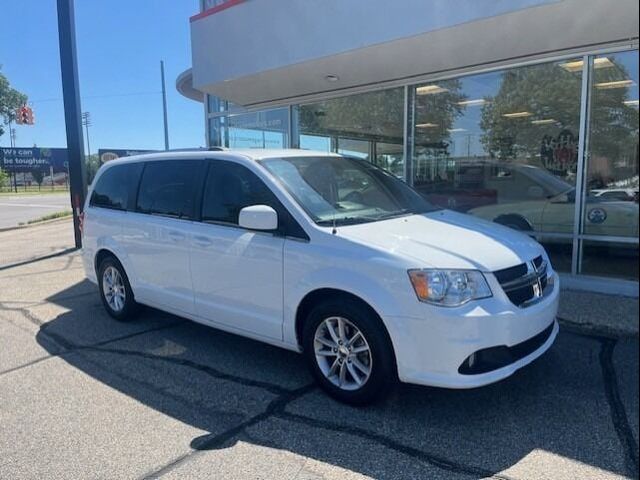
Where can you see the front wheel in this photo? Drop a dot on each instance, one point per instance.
(348, 352)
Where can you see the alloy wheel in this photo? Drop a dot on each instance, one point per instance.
(113, 289)
(342, 353)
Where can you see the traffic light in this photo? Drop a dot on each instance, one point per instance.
(24, 116)
(19, 119)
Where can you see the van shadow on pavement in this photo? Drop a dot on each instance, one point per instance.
(241, 390)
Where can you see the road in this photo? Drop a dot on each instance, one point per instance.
(22, 208)
(84, 396)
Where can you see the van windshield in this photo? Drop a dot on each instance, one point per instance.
(345, 191)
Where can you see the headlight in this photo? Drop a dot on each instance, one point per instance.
(449, 288)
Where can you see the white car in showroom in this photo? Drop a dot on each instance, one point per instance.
(529, 198)
(325, 255)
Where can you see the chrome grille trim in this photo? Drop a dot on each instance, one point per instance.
(525, 289)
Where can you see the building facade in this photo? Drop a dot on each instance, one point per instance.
(522, 112)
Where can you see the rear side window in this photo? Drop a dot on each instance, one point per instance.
(229, 188)
(116, 187)
(169, 188)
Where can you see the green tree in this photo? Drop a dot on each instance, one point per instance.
(368, 116)
(548, 97)
(436, 111)
(92, 164)
(4, 178)
(10, 100)
(38, 177)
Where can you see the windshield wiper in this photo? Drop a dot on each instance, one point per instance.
(345, 221)
(399, 213)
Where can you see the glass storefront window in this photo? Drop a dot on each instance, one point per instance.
(357, 125)
(266, 129)
(611, 206)
(610, 259)
(315, 142)
(611, 176)
(503, 146)
(354, 148)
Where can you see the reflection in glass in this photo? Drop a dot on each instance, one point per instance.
(612, 163)
(315, 142)
(266, 129)
(367, 126)
(610, 259)
(502, 146)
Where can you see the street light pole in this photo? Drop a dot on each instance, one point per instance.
(86, 121)
(12, 138)
(164, 106)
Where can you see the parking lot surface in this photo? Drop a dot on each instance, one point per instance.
(83, 396)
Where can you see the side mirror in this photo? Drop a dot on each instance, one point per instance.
(258, 217)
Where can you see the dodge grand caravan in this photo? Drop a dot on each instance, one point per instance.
(322, 254)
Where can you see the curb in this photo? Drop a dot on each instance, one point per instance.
(595, 330)
(36, 224)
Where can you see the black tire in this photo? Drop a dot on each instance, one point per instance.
(130, 307)
(383, 374)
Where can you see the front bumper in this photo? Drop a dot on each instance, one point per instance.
(431, 350)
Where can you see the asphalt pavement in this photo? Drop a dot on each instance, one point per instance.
(84, 396)
(15, 209)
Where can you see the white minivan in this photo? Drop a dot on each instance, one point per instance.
(322, 254)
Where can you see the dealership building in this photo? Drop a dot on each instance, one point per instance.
(522, 112)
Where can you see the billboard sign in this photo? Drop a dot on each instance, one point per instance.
(106, 154)
(27, 160)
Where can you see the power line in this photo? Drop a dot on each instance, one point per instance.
(109, 95)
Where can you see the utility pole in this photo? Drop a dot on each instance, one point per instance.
(164, 106)
(86, 121)
(72, 111)
(12, 138)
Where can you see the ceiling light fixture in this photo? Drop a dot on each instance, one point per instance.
(631, 103)
(430, 89)
(331, 78)
(616, 84)
(517, 114)
(600, 62)
(456, 130)
(472, 103)
(543, 121)
(426, 125)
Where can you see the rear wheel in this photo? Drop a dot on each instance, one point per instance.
(348, 352)
(115, 290)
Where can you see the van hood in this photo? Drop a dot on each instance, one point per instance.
(447, 239)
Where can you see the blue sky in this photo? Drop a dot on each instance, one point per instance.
(120, 45)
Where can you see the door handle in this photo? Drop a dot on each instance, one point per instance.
(176, 236)
(202, 241)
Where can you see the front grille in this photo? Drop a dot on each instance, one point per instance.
(524, 283)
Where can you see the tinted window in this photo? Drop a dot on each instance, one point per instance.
(116, 186)
(229, 188)
(168, 188)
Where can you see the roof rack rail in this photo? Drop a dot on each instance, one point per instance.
(194, 149)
